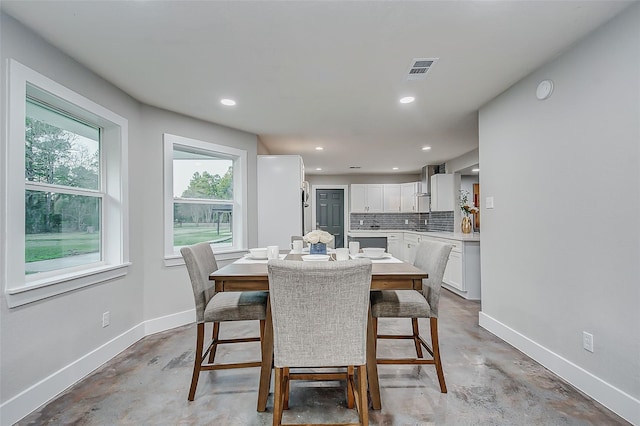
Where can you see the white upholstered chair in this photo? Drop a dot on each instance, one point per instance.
(214, 308)
(320, 312)
(431, 257)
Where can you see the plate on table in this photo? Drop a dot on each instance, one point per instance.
(250, 256)
(374, 255)
(316, 257)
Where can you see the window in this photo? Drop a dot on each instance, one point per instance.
(65, 201)
(205, 195)
(63, 190)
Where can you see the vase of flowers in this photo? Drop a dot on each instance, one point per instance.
(317, 241)
(466, 210)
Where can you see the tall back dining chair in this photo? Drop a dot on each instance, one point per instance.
(431, 257)
(320, 312)
(214, 308)
(298, 237)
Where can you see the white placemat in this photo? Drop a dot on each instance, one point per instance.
(386, 259)
(247, 259)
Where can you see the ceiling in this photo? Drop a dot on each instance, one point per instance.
(321, 73)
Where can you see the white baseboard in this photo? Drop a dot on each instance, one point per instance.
(48, 388)
(618, 401)
(168, 322)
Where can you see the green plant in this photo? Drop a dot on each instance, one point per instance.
(464, 203)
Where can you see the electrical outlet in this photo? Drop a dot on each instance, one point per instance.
(425, 221)
(406, 221)
(106, 319)
(362, 222)
(587, 341)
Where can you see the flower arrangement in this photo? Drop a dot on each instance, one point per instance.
(317, 241)
(318, 236)
(464, 203)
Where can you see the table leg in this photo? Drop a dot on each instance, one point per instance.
(372, 365)
(267, 361)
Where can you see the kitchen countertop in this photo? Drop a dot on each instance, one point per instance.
(458, 236)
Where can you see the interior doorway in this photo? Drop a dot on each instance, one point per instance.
(330, 211)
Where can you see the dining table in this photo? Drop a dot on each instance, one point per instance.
(246, 274)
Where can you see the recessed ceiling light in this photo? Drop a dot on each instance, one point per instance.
(319, 148)
(407, 100)
(318, 169)
(227, 102)
(395, 168)
(475, 170)
(426, 148)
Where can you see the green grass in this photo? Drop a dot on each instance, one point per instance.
(57, 245)
(190, 233)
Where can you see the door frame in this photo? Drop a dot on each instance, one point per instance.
(347, 222)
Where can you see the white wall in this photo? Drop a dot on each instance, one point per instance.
(560, 251)
(48, 345)
(358, 179)
(41, 338)
(165, 290)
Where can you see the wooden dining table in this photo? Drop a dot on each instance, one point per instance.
(241, 276)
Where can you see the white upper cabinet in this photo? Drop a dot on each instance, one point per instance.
(392, 197)
(367, 198)
(442, 194)
(410, 202)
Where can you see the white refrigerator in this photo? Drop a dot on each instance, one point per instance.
(280, 199)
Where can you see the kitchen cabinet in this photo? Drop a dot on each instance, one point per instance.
(409, 201)
(442, 194)
(410, 246)
(392, 198)
(367, 198)
(395, 244)
(462, 274)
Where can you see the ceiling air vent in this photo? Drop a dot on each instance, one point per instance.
(419, 67)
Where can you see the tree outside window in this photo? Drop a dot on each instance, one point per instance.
(62, 196)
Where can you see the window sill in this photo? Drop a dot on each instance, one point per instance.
(221, 257)
(53, 286)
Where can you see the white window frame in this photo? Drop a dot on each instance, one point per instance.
(172, 257)
(19, 288)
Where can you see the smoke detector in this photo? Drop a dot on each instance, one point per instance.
(419, 67)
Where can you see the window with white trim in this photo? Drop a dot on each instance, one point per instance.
(65, 201)
(205, 195)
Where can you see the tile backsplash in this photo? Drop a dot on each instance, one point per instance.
(435, 221)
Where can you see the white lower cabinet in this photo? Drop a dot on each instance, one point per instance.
(410, 246)
(394, 245)
(462, 274)
(453, 272)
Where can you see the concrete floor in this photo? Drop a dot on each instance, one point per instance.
(489, 383)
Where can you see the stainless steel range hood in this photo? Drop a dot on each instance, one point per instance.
(425, 180)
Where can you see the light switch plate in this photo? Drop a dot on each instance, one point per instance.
(488, 203)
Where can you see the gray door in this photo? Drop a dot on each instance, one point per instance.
(330, 213)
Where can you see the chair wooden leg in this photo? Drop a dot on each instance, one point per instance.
(350, 390)
(436, 354)
(416, 337)
(214, 346)
(197, 361)
(363, 402)
(375, 330)
(287, 382)
(262, 323)
(277, 397)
